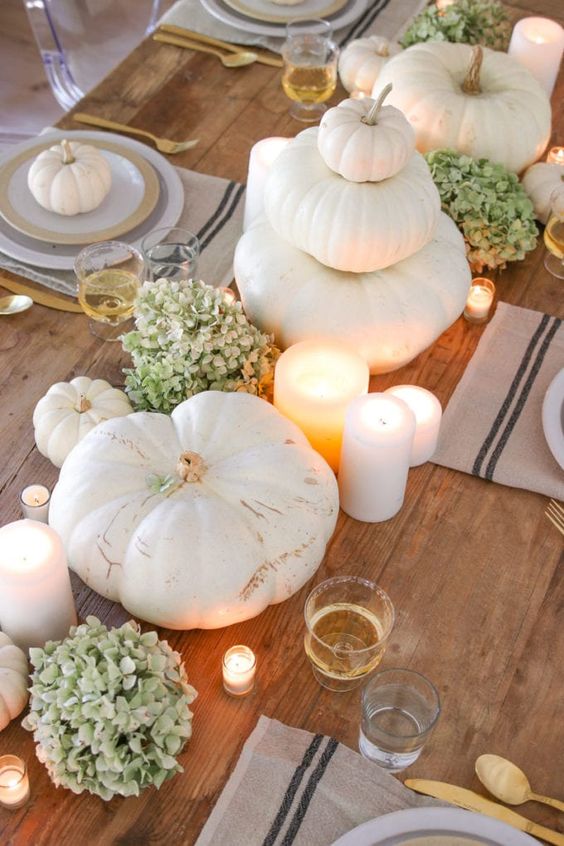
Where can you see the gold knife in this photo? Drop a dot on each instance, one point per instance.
(474, 802)
(44, 298)
(262, 57)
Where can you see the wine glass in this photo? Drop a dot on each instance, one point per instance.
(554, 235)
(310, 68)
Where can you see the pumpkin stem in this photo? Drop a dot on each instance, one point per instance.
(371, 118)
(191, 467)
(471, 84)
(83, 404)
(68, 157)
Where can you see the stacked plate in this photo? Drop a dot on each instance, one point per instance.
(146, 193)
(263, 17)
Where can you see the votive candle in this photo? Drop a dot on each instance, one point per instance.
(537, 44)
(14, 782)
(428, 414)
(314, 382)
(480, 300)
(262, 156)
(34, 501)
(556, 156)
(239, 668)
(444, 4)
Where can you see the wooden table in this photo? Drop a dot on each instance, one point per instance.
(472, 566)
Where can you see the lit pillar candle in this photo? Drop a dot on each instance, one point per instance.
(377, 442)
(556, 155)
(537, 44)
(428, 413)
(261, 158)
(314, 382)
(14, 782)
(239, 667)
(36, 602)
(34, 501)
(480, 299)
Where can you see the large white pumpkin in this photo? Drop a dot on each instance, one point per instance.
(389, 316)
(351, 226)
(361, 62)
(197, 520)
(498, 112)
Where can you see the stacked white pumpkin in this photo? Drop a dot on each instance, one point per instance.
(354, 245)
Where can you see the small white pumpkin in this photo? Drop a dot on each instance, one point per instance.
(540, 181)
(14, 680)
(364, 141)
(69, 410)
(362, 60)
(70, 178)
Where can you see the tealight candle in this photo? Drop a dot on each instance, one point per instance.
(34, 501)
(228, 295)
(262, 156)
(14, 782)
(239, 667)
(314, 382)
(556, 156)
(36, 602)
(537, 44)
(428, 413)
(480, 299)
(377, 443)
(444, 4)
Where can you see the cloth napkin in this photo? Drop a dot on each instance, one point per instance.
(492, 426)
(293, 787)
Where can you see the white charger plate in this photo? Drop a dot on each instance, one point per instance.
(553, 417)
(265, 10)
(349, 13)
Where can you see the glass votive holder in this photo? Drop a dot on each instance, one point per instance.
(239, 668)
(14, 782)
(556, 156)
(400, 709)
(171, 254)
(480, 300)
(34, 502)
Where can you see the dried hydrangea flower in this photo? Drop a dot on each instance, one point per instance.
(483, 22)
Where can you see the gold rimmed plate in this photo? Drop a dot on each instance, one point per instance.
(130, 201)
(264, 10)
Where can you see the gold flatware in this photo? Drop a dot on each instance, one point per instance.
(14, 303)
(555, 513)
(508, 783)
(474, 802)
(164, 145)
(44, 298)
(229, 60)
(262, 57)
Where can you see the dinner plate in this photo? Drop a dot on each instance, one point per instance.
(219, 9)
(265, 10)
(61, 257)
(436, 826)
(131, 199)
(553, 417)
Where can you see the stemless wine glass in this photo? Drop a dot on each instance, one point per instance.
(171, 254)
(310, 67)
(109, 276)
(554, 235)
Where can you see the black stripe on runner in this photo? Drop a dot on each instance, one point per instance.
(227, 216)
(292, 790)
(364, 22)
(222, 203)
(506, 434)
(502, 413)
(307, 795)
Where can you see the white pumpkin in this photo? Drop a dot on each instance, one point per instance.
(364, 141)
(349, 225)
(362, 60)
(540, 181)
(14, 680)
(69, 410)
(70, 178)
(478, 101)
(200, 519)
(389, 316)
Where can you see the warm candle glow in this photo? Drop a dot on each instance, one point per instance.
(14, 782)
(537, 44)
(239, 667)
(34, 501)
(556, 156)
(444, 4)
(428, 414)
(479, 302)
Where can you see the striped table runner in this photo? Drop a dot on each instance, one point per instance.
(293, 787)
(492, 426)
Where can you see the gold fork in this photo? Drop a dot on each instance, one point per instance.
(555, 513)
(164, 145)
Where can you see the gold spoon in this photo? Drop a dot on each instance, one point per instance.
(228, 60)
(508, 783)
(13, 304)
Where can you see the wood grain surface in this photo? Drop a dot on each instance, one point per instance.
(473, 568)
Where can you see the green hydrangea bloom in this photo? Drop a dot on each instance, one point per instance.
(483, 22)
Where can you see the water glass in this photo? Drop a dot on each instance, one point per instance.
(310, 68)
(400, 709)
(171, 254)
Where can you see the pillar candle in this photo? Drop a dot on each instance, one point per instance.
(314, 382)
(34, 501)
(261, 158)
(537, 44)
(36, 602)
(377, 443)
(480, 300)
(239, 667)
(428, 413)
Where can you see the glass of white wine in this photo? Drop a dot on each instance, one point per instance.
(309, 77)
(109, 276)
(554, 235)
(348, 622)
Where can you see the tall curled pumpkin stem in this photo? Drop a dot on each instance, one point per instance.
(471, 84)
(68, 157)
(371, 118)
(191, 467)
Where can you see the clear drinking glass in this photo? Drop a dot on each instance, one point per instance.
(400, 709)
(348, 621)
(109, 276)
(310, 67)
(171, 254)
(554, 235)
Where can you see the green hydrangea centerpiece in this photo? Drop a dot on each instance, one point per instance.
(483, 22)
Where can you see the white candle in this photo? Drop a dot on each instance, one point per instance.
(428, 413)
(229, 296)
(314, 382)
(36, 602)
(34, 501)
(480, 299)
(556, 155)
(444, 4)
(239, 667)
(263, 154)
(14, 782)
(377, 442)
(537, 44)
